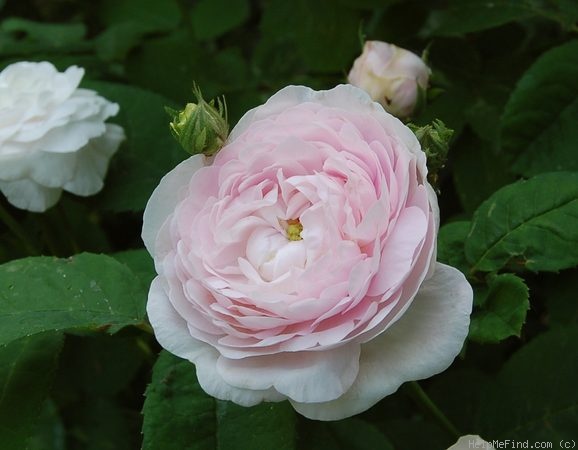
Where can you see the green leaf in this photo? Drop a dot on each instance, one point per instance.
(539, 132)
(42, 293)
(168, 65)
(451, 239)
(466, 16)
(213, 18)
(140, 263)
(118, 40)
(368, 4)
(27, 368)
(311, 28)
(49, 432)
(348, 434)
(199, 422)
(148, 153)
(100, 365)
(21, 36)
(458, 393)
(501, 310)
(534, 396)
(104, 425)
(478, 171)
(531, 224)
(153, 15)
(559, 290)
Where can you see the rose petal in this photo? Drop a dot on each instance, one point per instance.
(172, 333)
(165, 198)
(302, 376)
(422, 343)
(29, 195)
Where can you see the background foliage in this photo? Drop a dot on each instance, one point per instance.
(76, 353)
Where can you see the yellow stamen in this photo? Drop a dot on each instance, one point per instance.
(294, 229)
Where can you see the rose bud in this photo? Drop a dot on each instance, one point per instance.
(392, 76)
(200, 128)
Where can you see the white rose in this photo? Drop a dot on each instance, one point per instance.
(391, 75)
(471, 441)
(52, 135)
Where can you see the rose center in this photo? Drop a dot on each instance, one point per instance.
(294, 229)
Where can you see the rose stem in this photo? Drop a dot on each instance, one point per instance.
(420, 397)
(18, 231)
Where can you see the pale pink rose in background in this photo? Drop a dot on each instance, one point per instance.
(391, 75)
(52, 135)
(301, 264)
(471, 442)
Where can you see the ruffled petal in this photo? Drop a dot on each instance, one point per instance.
(303, 376)
(29, 195)
(422, 343)
(172, 333)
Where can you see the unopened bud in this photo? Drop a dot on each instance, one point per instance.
(392, 76)
(434, 140)
(201, 127)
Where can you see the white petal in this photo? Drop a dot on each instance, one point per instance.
(172, 333)
(166, 197)
(471, 441)
(26, 194)
(92, 162)
(302, 376)
(70, 137)
(422, 343)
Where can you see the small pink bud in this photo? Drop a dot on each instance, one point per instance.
(392, 76)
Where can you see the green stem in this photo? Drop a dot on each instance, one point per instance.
(18, 231)
(421, 398)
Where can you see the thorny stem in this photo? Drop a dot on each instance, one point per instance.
(421, 398)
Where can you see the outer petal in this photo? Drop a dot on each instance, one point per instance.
(166, 197)
(92, 162)
(26, 194)
(302, 376)
(172, 333)
(422, 343)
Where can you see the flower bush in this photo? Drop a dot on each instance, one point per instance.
(52, 135)
(306, 268)
(300, 263)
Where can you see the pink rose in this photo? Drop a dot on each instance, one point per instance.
(300, 263)
(391, 75)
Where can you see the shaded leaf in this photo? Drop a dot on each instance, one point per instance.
(42, 293)
(451, 240)
(49, 432)
(531, 224)
(198, 421)
(212, 18)
(21, 36)
(539, 132)
(466, 16)
(501, 309)
(534, 396)
(478, 171)
(148, 153)
(149, 14)
(27, 368)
